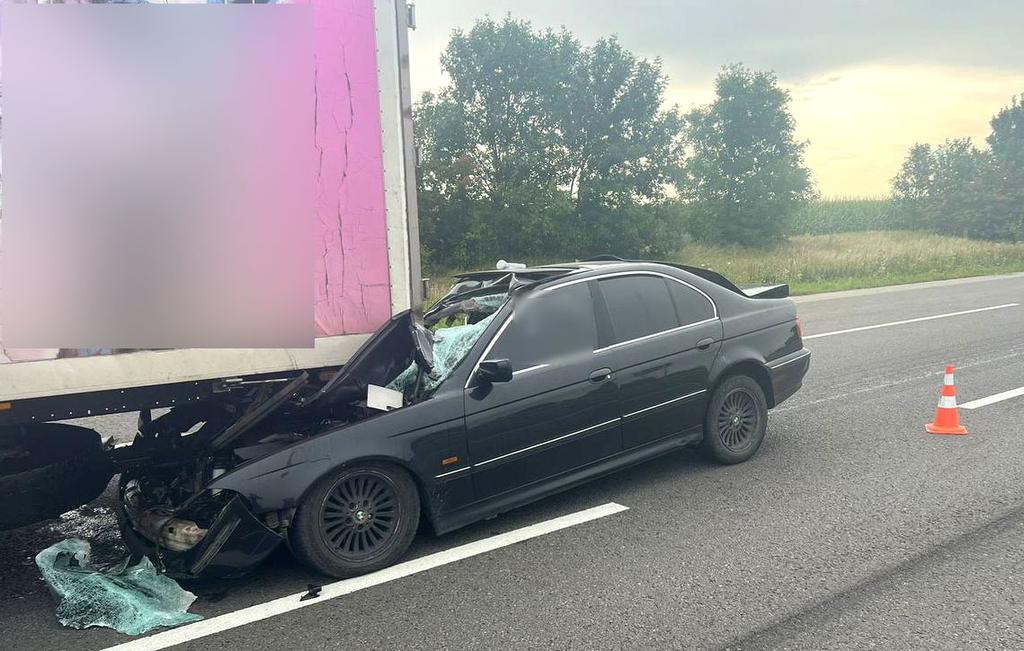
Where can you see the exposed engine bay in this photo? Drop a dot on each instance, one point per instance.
(165, 505)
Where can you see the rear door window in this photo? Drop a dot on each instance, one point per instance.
(691, 305)
(638, 306)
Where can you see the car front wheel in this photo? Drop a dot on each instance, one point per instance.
(356, 520)
(736, 420)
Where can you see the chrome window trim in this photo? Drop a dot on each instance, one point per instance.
(494, 340)
(614, 274)
(543, 443)
(662, 404)
(529, 368)
(656, 334)
(789, 361)
(714, 306)
(490, 344)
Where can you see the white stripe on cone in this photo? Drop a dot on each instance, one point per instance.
(947, 402)
(948, 379)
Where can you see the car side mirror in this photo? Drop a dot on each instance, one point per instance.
(495, 370)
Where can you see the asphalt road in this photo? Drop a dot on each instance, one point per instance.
(850, 528)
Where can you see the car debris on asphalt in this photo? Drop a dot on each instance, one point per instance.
(131, 599)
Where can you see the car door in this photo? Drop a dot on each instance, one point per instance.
(666, 336)
(559, 411)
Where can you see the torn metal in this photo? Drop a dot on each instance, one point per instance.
(165, 507)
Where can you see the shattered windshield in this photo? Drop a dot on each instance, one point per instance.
(459, 319)
(455, 326)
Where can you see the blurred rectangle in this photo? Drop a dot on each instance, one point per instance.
(158, 176)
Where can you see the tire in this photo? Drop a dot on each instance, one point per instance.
(358, 519)
(736, 420)
(47, 469)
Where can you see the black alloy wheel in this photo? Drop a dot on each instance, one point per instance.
(736, 420)
(360, 515)
(356, 519)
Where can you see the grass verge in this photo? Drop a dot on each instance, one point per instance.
(822, 263)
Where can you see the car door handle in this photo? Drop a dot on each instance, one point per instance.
(600, 375)
(704, 344)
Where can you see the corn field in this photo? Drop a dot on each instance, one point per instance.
(842, 215)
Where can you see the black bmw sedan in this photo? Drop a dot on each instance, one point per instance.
(517, 384)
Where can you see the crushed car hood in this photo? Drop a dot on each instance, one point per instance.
(388, 352)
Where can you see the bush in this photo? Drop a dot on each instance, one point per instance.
(467, 234)
(631, 231)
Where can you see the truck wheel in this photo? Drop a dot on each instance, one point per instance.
(47, 469)
(356, 520)
(736, 420)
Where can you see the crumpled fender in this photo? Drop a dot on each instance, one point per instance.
(279, 480)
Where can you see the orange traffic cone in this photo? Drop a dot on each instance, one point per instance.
(947, 418)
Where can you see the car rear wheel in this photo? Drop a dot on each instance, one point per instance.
(357, 520)
(736, 420)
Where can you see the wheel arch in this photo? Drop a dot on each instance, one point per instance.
(426, 503)
(749, 367)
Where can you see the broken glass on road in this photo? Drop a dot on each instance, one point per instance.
(129, 599)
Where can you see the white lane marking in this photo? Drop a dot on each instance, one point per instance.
(999, 397)
(799, 404)
(905, 321)
(330, 591)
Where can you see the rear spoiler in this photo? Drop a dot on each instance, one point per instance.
(767, 291)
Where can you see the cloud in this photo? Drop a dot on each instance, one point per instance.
(799, 39)
(860, 126)
(868, 78)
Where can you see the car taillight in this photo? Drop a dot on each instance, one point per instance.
(799, 328)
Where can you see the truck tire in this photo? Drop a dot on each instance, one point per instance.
(736, 420)
(358, 519)
(47, 469)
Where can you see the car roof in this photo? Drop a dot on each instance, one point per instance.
(542, 274)
(553, 270)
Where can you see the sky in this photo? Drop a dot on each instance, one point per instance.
(867, 78)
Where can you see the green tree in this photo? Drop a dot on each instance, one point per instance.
(943, 189)
(620, 150)
(1006, 143)
(446, 188)
(959, 192)
(912, 187)
(539, 147)
(488, 177)
(745, 173)
(959, 189)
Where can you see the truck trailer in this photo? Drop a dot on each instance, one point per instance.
(366, 271)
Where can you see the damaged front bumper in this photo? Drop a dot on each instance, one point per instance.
(234, 543)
